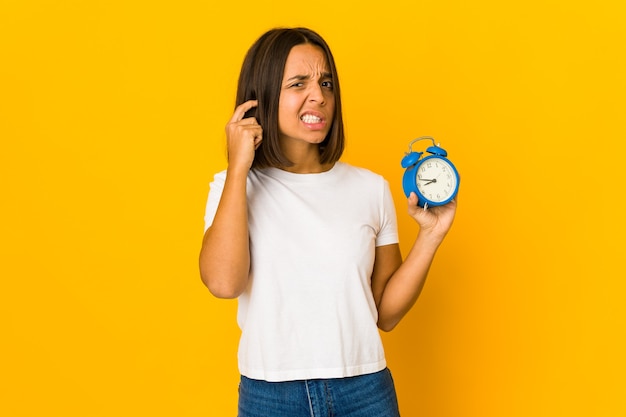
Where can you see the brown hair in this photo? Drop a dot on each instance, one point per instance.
(261, 78)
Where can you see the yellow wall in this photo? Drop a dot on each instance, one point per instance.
(111, 126)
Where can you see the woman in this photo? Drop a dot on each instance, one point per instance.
(307, 243)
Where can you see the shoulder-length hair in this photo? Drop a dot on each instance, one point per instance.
(261, 79)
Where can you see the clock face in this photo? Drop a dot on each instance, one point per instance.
(436, 179)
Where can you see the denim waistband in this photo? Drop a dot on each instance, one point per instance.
(370, 395)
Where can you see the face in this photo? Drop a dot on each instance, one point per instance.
(436, 180)
(307, 102)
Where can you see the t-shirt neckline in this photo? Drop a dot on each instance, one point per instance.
(295, 177)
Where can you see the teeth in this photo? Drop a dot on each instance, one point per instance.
(309, 118)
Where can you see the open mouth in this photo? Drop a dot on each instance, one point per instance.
(310, 118)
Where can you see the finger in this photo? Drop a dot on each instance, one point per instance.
(257, 142)
(241, 110)
(248, 121)
(412, 202)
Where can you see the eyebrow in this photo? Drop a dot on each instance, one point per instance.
(306, 77)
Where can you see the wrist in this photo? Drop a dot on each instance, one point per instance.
(428, 239)
(237, 171)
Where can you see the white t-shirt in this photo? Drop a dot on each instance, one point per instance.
(308, 311)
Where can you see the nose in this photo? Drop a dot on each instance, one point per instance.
(316, 94)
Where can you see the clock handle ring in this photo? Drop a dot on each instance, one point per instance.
(421, 138)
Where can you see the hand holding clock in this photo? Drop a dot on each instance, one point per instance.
(431, 184)
(435, 221)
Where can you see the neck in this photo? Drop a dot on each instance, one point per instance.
(308, 169)
(305, 159)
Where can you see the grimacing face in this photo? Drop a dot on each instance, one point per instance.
(307, 102)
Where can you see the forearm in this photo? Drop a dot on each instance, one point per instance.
(405, 284)
(225, 254)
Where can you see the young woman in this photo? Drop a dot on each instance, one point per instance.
(308, 244)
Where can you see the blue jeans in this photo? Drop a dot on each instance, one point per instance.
(371, 395)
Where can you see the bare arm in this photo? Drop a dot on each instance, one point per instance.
(225, 254)
(396, 285)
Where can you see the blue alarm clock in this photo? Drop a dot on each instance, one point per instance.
(433, 178)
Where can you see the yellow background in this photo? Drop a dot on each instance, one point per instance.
(111, 127)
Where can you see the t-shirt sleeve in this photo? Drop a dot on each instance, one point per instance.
(215, 194)
(388, 233)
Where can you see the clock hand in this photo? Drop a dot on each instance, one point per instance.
(433, 180)
(429, 180)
